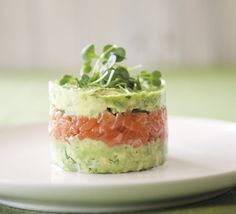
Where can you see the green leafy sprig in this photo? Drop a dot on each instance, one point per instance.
(107, 71)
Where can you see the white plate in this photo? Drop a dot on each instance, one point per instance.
(202, 163)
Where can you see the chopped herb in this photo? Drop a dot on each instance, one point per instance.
(135, 110)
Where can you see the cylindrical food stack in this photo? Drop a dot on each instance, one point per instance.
(99, 129)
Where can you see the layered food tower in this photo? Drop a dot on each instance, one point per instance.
(107, 120)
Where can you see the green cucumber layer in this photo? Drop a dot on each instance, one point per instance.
(96, 157)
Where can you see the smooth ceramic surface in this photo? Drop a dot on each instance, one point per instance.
(201, 164)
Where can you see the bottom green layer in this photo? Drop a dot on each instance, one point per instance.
(96, 157)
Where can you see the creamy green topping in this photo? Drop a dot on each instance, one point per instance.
(91, 102)
(96, 157)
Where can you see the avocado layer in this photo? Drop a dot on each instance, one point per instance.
(96, 157)
(92, 102)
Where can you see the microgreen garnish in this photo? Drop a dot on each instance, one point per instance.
(150, 79)
(105, 71)
(68, 79)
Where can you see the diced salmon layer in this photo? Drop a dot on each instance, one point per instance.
(134, 128)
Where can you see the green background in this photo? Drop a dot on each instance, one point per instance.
(197, 92)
